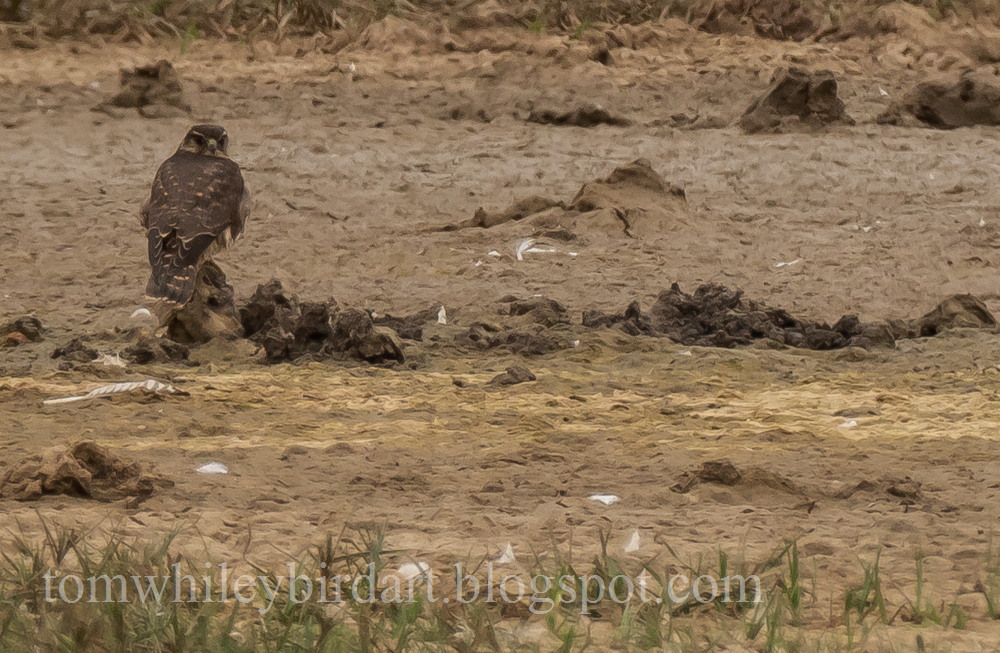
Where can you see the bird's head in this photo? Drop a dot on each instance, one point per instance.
(210, 140)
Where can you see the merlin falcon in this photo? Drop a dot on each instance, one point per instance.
(197, 206)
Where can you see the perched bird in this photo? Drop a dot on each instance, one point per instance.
(198, 205)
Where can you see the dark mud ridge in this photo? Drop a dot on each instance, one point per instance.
(717, 316)
(276, 327)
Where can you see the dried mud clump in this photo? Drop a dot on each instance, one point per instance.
(793, 20)
(211, 312)
(155, 90)
(21, 331)
(289, 330)
(796, 99)
(84, 469)
(725, 473)
(956, 312)
(717, 316)
(148, 350)
(76, 351)
(586, 116)
(972, 99)
(531, 340)
(512, 376)
(633, 201)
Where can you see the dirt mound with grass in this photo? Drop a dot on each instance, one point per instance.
(84, 469)
(633, 201)
(797, 99)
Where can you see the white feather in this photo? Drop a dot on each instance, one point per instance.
(213, 468)
(149, 385)
(507, 557)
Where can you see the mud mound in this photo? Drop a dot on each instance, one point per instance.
(634, 200)
(289, 330)
(77, 351)
(512, 376)
(900, 18)
(539, 310)
(957, 311)
(717, 316)
(21, 331)
(725, 473)
(519, 210)
(797, 99)
(84, 469)
(211, 313)
(155, 90)
(586, 116)
(774, 19)
(394, 34)
(972, 99)
(900, 488)
(155, 350)
(532, 340)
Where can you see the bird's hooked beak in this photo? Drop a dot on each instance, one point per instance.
(212, 145)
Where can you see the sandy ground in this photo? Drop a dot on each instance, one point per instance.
(352, 176)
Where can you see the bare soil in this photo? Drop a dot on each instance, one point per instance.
(356, 172)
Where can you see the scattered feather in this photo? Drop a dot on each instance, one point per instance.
(149, 386)
(606, 499)
(442, 316)
(576, 343)
(507, 557)
(141, 312)
(213, 468)
(522, 246)
(493, 252)
(633, 542)
(849, 424)
(784, 264)
(883, 92)
(411, 570)
(111, 361)
(982, 222)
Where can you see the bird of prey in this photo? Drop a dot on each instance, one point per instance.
(198, 205)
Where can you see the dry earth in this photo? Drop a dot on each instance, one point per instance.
(354, 173)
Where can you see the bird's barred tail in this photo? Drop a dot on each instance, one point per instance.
(174, 264)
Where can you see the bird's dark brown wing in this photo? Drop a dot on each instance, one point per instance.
(195, 202)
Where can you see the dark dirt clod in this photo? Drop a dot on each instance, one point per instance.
(540, 310)
(717, 316)
(586, 116)
(211, 313)
(410, 327)
(155, 90)
(722, 472)
(155, 350)
(22, 330)
(796, 98)
(84, 469)
(530, 341)
(972, 99)
(76, 351)
(355, 335)
(514, 375)
(957, 311)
